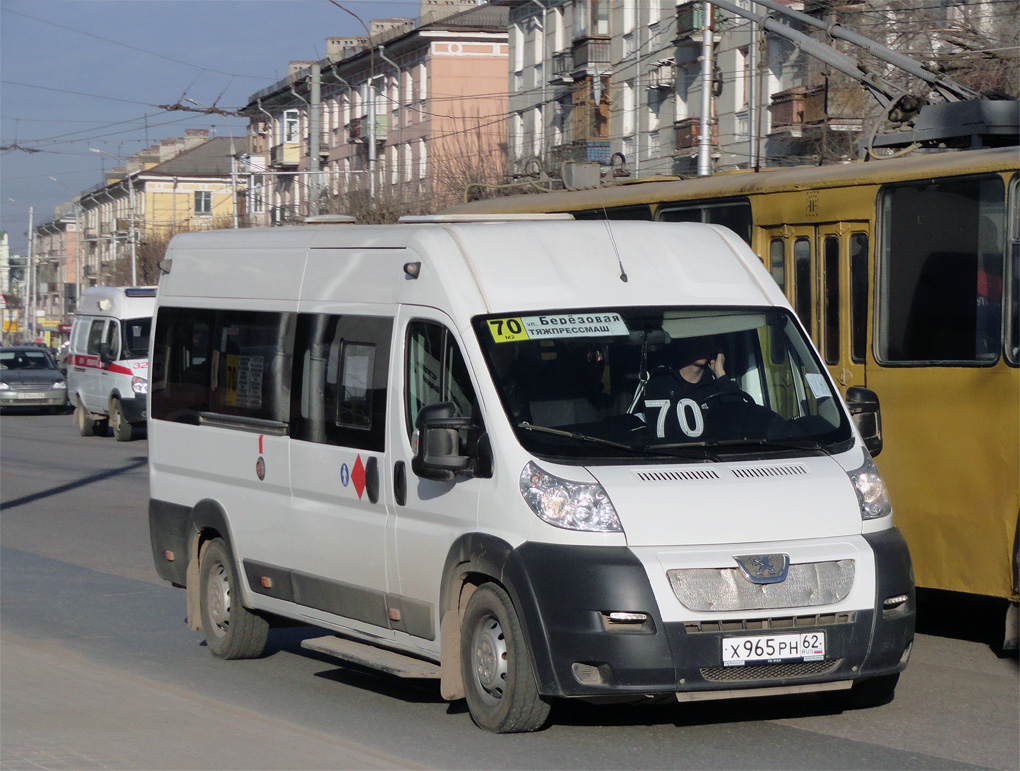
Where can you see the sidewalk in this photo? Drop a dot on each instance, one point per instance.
(59, 711)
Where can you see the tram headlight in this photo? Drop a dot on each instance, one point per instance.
(570, 505)
(872, 494)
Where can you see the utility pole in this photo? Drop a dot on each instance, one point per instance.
(30, 281)
(705, 136)
(314, 122)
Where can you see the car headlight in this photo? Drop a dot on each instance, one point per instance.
(570, 505)
(872, 494)
(139, 385)
(4, 386)
(59, 385)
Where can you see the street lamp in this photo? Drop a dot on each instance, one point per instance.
(233, 157)
(131, 219)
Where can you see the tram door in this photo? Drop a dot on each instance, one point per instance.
(823, 270)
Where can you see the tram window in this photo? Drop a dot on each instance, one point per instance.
(616, 213)
(736, 215)
(802, 280)
(941, 260)
(777, 261)
(858, 296)
(830, 299)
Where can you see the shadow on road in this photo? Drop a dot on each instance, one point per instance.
(74, 485)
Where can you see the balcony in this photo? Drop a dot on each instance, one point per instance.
(562, 67)
(688, 134)
(662, 76)
(578, 152)
(591, 52)
(285, 156)
(690, 19)
(357, 129)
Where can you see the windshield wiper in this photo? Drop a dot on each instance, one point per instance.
(780, 444)
(699, 450)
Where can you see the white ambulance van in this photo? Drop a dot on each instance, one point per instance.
(108, 359)
(531, 459)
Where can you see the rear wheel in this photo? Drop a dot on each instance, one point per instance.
(121, 428)
(231, 630)
(500, 685)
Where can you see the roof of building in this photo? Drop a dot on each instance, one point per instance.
(209, 159)
(482, 17)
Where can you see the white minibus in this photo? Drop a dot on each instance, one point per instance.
(108, 359)
(530, 457)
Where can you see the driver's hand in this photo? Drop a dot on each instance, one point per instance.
(718, 365)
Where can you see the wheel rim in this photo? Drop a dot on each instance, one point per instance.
(217, 595)
(489, 659)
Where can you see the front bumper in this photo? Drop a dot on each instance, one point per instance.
(134, 408)
(564, 593)
(43, 397)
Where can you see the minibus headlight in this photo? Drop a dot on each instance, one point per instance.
(872, 494)
(59, 385)
(139, 385)
(570, 505)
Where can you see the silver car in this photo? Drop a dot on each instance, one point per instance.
(29, 378)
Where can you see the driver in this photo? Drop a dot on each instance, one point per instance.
(696, 370)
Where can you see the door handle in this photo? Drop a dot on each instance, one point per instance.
(400, 482)
(372, 479)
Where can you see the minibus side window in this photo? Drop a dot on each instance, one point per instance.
(252, 353)
(95, 336)
(112, 339)
(179, 376)
(436, 372)
(340, 375)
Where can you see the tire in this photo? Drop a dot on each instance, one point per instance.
(499, 681)
(122, 430)
(82, 419)
(231, 630)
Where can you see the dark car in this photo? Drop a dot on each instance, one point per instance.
(29, 378)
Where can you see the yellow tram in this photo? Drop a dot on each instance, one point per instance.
(906, 272)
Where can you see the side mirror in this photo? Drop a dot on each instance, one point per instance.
(867, 416)
(437, 454)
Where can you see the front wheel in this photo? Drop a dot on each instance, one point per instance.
(500, 685)
(121, 428)
(231, 630)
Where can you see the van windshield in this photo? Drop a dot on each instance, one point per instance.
(669, 382)
(136, 338)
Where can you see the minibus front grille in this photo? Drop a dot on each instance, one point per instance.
(726, 589)
(678, 475)
(756, 624)
(769, 671)
(767, 472)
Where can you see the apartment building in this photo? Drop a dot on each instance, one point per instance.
(398, 121)
(183, 183)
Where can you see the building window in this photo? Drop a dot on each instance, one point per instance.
(291, 134)
(203, 202)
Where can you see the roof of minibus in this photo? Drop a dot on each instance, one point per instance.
(474, 268)
(766, 180)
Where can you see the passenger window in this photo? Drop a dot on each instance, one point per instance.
(436, 372)
(179, 375)
(95, 337)
(941, 270)
(777, 262)
(858, 296)
(830, 279)
(340, 377)
(802, 281)
(112, 338)
(251, 365)
(735, 215)
(1012, 301)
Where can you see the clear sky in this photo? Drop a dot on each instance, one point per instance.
(82, 74)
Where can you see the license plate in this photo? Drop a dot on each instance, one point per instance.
(30, 395)
(773, 649)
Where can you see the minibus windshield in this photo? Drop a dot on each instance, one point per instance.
(663, 382)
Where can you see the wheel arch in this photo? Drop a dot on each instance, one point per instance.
(209, 521)
(475, 559)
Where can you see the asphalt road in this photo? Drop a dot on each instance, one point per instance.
(100, 671)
